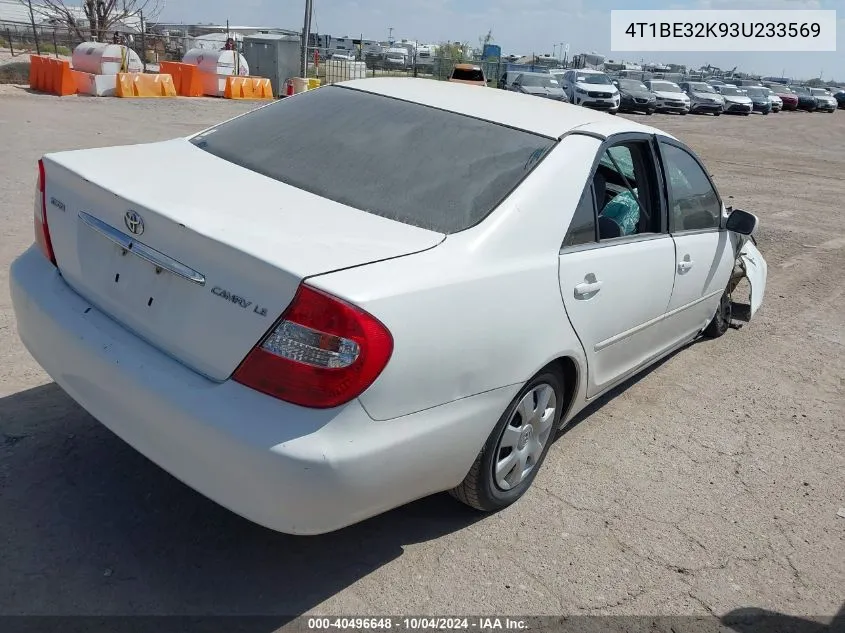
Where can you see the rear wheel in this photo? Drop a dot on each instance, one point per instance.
(516, 448)
(722, 319)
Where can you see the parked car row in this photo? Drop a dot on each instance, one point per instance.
(597, 90)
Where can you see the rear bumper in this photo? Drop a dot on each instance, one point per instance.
(291, 469)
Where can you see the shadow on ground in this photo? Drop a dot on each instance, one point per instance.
(94, 528)
(753, 620)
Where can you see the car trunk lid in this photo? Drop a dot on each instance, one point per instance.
(200, 260)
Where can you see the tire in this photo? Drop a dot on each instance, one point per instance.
(481, 487)
(716, 113)
(649, 112)
(682, 113)
(721, 320)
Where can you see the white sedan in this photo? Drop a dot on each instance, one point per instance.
(371, 292)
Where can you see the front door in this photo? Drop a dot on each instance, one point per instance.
(704, 252)
(617, 263)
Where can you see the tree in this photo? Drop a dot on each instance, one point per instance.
(816, 83)
(96, 18)
(456, 51)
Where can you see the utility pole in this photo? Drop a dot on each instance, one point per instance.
(390, 35)
(554, 51)
(306, 36)
(34, 32)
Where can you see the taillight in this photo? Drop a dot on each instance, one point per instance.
(321, 353)
(42, 231)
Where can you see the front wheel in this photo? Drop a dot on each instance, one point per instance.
(516, 448)
(716, 113)
(722, 319)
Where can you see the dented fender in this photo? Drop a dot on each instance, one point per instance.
(756, 271)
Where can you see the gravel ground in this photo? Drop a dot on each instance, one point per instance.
(709, 483)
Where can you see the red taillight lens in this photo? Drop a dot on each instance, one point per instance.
(322, 353)
(42, 231)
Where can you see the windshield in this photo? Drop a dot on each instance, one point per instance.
(407, 162)
(701, 87)
(593, 78)
(731, 92)
(801, 90)
(539, 81)
(468, 74)
(664, 86)
(632, 84)
(819, 91)
(755, 92)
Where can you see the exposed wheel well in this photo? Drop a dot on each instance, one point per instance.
(568, 369)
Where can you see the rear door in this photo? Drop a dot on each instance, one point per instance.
(705, 252)
(617, 263)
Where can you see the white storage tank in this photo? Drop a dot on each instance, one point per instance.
(217, 62)
(99, 58)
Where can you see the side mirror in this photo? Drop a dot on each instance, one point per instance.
(741, 222)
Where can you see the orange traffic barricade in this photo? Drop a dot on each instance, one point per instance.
(51, 75)
(248, 88)
(64, 83)
(143, 85)
(186, 78)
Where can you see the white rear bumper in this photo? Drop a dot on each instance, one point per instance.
(291, 469)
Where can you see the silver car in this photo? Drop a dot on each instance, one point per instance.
(736, 101)
(703, 98)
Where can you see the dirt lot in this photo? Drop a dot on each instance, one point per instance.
(710, 483)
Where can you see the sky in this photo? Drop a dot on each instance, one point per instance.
(518, 26)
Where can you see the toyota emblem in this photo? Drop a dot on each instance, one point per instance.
(134, 222)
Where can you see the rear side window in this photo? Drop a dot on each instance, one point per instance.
(468, 74)
(411, 163)
(582, 230)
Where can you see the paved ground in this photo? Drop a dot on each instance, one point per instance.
(710, 483)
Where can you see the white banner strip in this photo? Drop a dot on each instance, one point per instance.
(716, 31)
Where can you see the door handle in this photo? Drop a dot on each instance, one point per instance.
(586, 288)
(685, 265)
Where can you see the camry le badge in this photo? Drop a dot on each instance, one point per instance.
(134, 222)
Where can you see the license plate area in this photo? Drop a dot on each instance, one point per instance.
(129, 284)
(131, 281)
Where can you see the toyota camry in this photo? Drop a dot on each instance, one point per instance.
(374, 291)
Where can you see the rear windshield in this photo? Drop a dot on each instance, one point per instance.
(418, 165)
(538, 81)
(468, 74)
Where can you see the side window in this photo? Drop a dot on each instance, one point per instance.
(626, 193)
(693, 203)
(582, 229)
